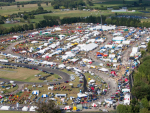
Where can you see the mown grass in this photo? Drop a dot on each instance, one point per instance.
(7, 10)
(25, 75)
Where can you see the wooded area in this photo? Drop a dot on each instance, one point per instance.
(141, 102)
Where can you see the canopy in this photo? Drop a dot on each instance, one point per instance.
(32, 108)
(5, 108)
(67, 107)
(25, 108)
(35, 92)
(94, 105)
(80, 95)
(44, 95)
(104, 69)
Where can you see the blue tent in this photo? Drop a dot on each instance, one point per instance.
(44, 96)
(59, 49)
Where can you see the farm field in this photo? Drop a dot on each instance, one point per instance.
(75, 13)
(23, 74)
(6, 10)
(14, 112)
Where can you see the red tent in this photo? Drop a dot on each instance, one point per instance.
(90, 62)
(126, 80)
(92, 88)
(47, 57)
(113, 72)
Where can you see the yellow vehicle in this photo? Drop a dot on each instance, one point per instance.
(1, 48)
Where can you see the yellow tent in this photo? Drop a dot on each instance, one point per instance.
(74, 108)
(89, 78)
(75, 43)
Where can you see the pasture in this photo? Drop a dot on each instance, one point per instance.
(7, 10)
(24, 74)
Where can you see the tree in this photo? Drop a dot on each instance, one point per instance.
(123, 2)
(18, 6)
(31, 27)
(38, 4)
(49, 107)
(148, 47)
(40, 8)
(140, 1)
(144, 102)
(144, 110)
(122, 109)
(47, 3)
(25, 16)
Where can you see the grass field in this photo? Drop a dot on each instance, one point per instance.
(118, 1)
(24, 74)
(6, 10)
(75, 13)
(13, 112)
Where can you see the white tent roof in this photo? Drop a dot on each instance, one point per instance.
(33, 42)
(92, 80)
(88, 47)
(32, 108)
(61, 66)
(25, 108)
(104, 69)
(94, 105)
(127, 99)
(5, 108)
(81, 95)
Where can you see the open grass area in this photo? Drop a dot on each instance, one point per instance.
(76, 13)
(6, 10)
(9, 90)
(24, 74)
(118, 1)
(14, 112)
(13, 24)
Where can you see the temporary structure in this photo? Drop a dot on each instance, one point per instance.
(5, 108)
(32, 108)
(51, 87)
(44, 96)
(67, 107)
(94, 105)
(35, 92)
(25, 108)
(127, 99)
(80, 95)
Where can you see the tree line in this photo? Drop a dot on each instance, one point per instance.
(67, 3)
(51, 21)
(7, 1)
(140, 89)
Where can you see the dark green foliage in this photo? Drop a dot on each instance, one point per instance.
(49, 107)
(68, 3)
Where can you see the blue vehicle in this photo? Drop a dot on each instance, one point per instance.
(78, 110)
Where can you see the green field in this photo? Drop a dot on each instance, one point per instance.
(13, 112)
(7, 10)
(25, 75)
